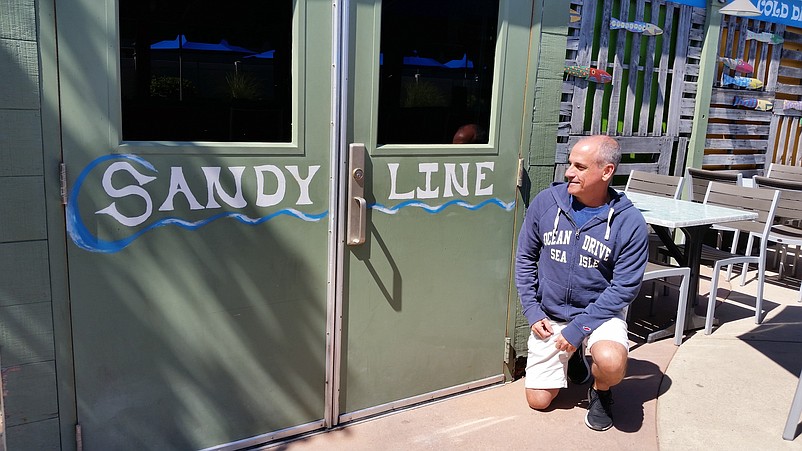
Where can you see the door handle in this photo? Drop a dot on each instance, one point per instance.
(357, 206)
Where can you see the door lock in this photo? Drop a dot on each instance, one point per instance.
(357, 206)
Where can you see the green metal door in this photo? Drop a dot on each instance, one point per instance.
(197, 143)
(227, 286)
(425, 300)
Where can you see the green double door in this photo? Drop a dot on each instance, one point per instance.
(270, 229)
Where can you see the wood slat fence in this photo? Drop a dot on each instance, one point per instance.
(653, 81)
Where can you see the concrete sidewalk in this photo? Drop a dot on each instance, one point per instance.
(728, 390)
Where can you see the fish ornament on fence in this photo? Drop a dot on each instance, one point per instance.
(573, 16)
(792, 105)
(738, 65)
(648, 29)
(768, 38)
(744, 82)
(589, 73)
(751, 102)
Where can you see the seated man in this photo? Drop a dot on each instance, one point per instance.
(581, 256)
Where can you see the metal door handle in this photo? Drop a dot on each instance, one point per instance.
(357, 206)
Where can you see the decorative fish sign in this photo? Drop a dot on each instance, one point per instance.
(647, 29)
(751, 102)
(744, 82)
(573, 16)
(738, 65)
(765, 36)
(589, 73)
(792, 105)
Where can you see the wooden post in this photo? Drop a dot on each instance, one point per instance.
(707, 71)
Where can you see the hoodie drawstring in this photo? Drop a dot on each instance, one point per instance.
(557, 219)
(609, 220)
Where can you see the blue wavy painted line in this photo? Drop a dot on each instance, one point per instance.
(432, 209)
(84, 239)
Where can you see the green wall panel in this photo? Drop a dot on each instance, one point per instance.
(19, 71)
(22, 212)
(26, 333)
(39, 436)
(24, 274)
(18, 20)
(21, 143)
(30, 393)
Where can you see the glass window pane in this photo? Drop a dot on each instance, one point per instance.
(202, 70)
(436, 71)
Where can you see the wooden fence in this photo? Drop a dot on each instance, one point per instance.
(653, 79)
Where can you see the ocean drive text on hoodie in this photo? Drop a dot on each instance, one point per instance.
(583, 276)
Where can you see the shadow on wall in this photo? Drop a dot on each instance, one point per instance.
(188, 338)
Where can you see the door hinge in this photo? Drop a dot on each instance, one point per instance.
(62, 179)
(519, 182)
(79, 440)
(508, 350)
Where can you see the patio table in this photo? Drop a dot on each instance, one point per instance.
(694, 219)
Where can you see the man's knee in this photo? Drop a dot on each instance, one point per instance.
(540, 399)
(609, 355)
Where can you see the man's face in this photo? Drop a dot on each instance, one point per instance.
(586, 178)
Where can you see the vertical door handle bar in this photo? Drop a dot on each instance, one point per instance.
(357, 206)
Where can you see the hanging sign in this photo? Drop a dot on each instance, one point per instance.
(696, 3)
(786, 12)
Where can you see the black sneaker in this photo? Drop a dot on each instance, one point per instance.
(578, 368)
(600, 412)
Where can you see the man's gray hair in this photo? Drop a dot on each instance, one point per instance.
(609, 151)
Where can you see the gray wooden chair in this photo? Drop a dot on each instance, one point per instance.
(698, 180)
(667, 186)
(785, 172)
(764, 203)
(787, 230)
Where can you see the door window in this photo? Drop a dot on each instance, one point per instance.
(206, 71)
(436, 71)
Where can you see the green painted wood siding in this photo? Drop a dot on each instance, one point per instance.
(27, 351)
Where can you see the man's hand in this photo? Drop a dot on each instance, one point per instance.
(542, 328)
(563, 345)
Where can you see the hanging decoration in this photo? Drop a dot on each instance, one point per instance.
(647, 29)
(589, 73)
(753, 103)
(792, 105)
(768, 38)
(573, 16)
(743, 82)
(738, 65)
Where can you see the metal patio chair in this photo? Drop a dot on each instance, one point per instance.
(787, 231)
(794, 413)
(760, 200)
(698, 181)
(667, 186)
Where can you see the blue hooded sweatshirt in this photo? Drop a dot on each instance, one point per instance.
(582, 276)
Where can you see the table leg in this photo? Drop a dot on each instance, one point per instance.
(692, 258)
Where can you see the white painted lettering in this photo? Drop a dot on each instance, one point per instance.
(480, 176)
(451, 180)
(394, 194)
(303, 184)
(428, 192)
(267, 200)
(213, 186)
(130, 190)
(178, 184)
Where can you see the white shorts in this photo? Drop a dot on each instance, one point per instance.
(547, 367)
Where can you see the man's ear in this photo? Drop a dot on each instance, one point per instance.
(608, 171)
